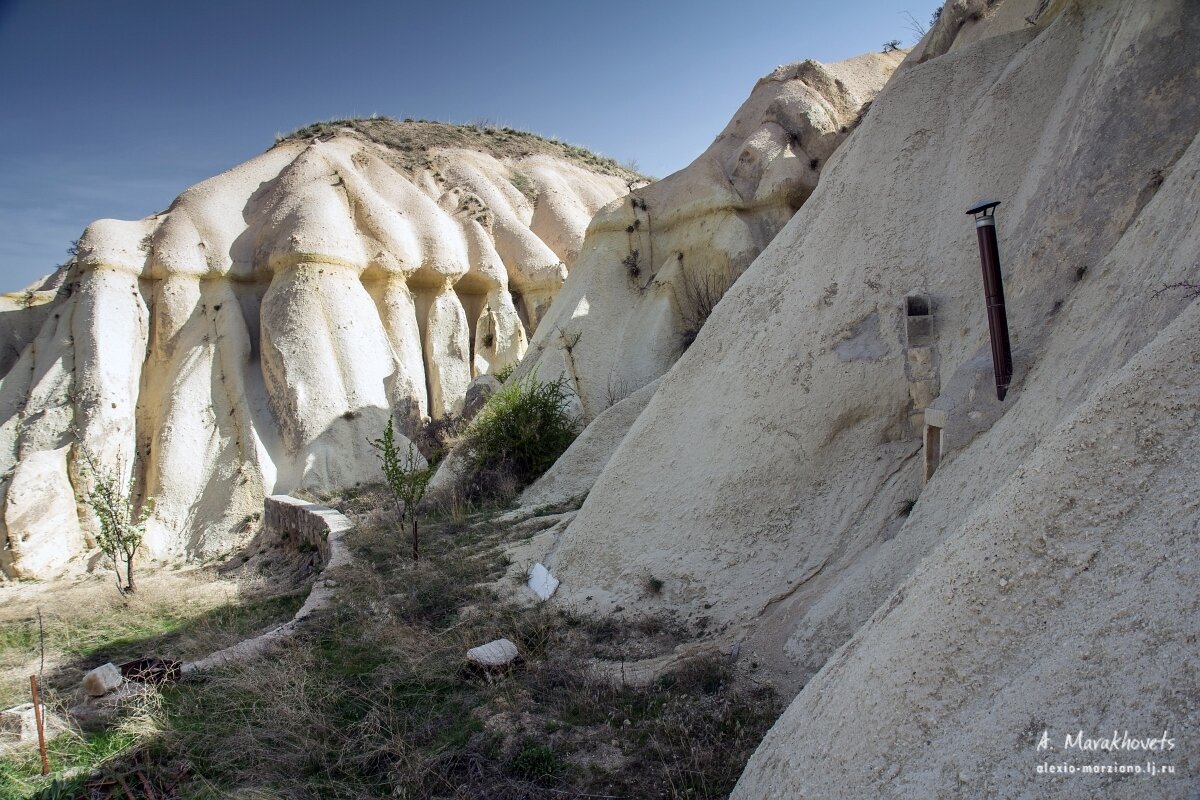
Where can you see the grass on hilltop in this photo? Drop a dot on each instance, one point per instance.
(411, 140)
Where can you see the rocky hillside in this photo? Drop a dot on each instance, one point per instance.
(653, 266)
(250, 338)
(939, 607)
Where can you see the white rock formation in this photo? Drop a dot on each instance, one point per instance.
(18, 725)
(102, 680)
(574, 473)
(1044, 576)
(251, 338)
(541, 582)
(652, 263)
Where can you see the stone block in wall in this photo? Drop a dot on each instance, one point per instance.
(919, 363)
(922, 393)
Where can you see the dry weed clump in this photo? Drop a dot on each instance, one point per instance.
(696, 295)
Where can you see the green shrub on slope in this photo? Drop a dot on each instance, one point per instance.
(518, 435)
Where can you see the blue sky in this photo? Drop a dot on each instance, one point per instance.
(111, 109)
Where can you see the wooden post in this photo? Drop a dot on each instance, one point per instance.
(41, 729)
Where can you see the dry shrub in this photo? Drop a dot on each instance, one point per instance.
(696, 296)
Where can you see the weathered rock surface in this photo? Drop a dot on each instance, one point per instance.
(541, 582)
(98, 713)
(40, 512)
(251, 338)
(774, 481)
(573, 475)
(477, 395)
(652, 264)
(18, 725)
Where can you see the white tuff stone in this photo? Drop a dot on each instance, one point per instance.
(96, 713)
(499, 653)
(19, 723)
(373, 283)
(542, 582)
(478, 392)
(102, 680)
(635, 293)
(39, 514)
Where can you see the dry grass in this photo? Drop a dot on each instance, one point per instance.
(375, 698)
(176, 614)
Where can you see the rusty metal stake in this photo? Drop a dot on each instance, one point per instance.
(41, 729)
(993, 289)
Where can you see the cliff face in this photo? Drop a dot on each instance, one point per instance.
(652, 266)
(251, 337)
(774, 482)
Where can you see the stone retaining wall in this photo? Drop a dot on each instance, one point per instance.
(302, 525)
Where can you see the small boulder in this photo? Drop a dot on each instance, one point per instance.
(102, 680)
(493, 655)
(478, 393)
(98, 713)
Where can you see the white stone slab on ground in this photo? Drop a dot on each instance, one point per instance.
(542, 582)
(19, 724)
(499, 653)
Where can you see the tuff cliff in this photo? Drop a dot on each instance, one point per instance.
(652, 265)
(774, 487)
(249, 339)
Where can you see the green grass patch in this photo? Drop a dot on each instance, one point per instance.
(537, 762)
(21, 774)
(132, 631)
(84, 634)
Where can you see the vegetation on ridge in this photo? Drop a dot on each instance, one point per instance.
(410, 141)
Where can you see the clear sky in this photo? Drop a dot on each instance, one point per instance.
(111, 109)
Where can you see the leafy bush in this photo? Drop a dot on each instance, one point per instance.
(122, 522)
(518, 435)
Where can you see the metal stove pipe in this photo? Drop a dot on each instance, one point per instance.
(993, 290)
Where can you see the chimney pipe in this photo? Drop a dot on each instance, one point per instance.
(993, 290)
